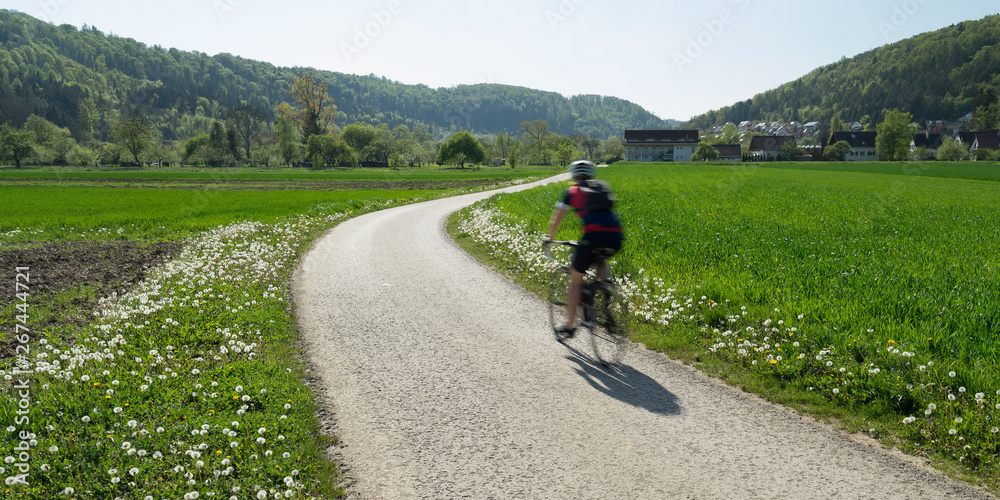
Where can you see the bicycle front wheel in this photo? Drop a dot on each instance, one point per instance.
(558, 285)
(609, 334)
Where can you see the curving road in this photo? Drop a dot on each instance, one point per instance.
(444, 381)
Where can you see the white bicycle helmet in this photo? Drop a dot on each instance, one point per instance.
(583, 167)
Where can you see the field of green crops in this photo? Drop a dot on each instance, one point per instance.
(875, 287)
(72, 213)
(187, 384)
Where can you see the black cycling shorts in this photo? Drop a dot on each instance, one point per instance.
(595, 247)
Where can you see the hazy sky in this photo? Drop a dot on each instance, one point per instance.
(676, 59)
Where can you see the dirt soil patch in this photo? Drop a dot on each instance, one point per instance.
(67, 279)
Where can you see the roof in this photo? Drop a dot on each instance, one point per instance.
(967, 137)
(643, 136)
(930, 141)
(729, 150)
(769, 142)
(855, 139)
(988, 141)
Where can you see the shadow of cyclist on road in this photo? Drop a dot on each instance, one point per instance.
(625, 384)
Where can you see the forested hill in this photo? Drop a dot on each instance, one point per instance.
(935, 76)
(84, 79)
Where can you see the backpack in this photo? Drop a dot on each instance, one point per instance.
(599, 195)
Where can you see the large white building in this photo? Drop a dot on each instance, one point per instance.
(862, 145)
(660, 145)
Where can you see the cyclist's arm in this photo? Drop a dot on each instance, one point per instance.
(557, 217)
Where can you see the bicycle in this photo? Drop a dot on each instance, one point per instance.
(603, 310)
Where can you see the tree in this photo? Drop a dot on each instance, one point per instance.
(111, 154)
(836, 125)
(838, 151)
(194, 148)
(53, 144)
(460, 148)
(359, 136)
(983, 154)
(325, 150)
(15, 144)
(247, 121)
(730, 134)
(514, 156)
(952, 151)
(791, 149)
(536, 133)
(403, 152)
(316, 109)
(286, 134)
(591, 145)
(565, 152)
(133, 134)
(895, 135)
(985, 118)
(613, 149)
(705, 152)
(503, 144)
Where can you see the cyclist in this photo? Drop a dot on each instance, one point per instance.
(602, 232)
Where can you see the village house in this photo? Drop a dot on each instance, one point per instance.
(988, 140)
(660, 145)
(768, 147)
(862, 145)
(927, 140)
(729, 152)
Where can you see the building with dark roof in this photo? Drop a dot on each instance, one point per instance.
(729, 152)
(926, 140)
(862, 145)
(660, 145)
(768, 147)
(989, 141)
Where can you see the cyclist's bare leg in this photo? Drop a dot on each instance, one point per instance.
(602, 270)
(573, 296)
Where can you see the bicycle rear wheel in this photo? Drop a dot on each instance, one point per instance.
(558, 286)
(610, 331)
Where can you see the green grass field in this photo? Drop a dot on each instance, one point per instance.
(987, 171)
(68, 213)
(428, 173)
(189, 381)
(131, 205)
(857, 287)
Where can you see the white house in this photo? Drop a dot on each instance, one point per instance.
(660, 145)
(862, 145)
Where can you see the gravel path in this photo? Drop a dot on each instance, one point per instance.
(444, 381)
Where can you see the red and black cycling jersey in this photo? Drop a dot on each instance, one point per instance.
(593, 220)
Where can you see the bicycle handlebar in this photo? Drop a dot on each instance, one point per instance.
(548, 253)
